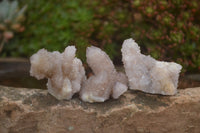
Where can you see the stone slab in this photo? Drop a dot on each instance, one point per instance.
(35, 111)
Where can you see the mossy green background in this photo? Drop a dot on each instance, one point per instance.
(167, 29)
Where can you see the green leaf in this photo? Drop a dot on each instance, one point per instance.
(4, 10)
(12, 10)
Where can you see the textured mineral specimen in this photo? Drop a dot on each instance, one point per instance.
(106, 80)
(147, 74)
(64, 71)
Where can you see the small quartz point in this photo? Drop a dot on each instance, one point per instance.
(64, 71)
(106, 80)
(147, 74)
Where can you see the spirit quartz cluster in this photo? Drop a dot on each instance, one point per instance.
(106, 80)
(147, 74)
(66, 74)
(64, 71)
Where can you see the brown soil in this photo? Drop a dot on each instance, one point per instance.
(187, 83)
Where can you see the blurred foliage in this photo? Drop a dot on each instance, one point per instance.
(167, 29)
(10, 20)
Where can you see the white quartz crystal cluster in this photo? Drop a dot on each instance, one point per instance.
(105, 81)
(64, 71)
(66, 74)
(147, 74)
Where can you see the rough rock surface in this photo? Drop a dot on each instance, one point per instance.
(36, 111)
(147, 74)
